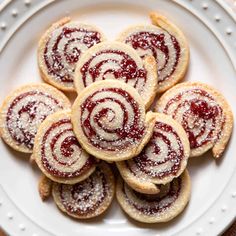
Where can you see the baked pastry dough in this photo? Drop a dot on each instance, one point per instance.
(58, 153)
(88, 198)
(115, 60)
(45, 187)
(166, 43)
(164, 157)
(24, 110)
(155, 208)
(204, 114)
(61, 47)
(109, 120)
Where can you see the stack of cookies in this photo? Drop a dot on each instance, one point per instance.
(116, 121)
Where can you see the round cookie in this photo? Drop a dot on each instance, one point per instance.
(88, 198)
(155, 208)
(58, 153)
(109, 120)
(204, 114)
(24, 110)
(61, 47)
(115, 60)
(163, 158)
(166, 43)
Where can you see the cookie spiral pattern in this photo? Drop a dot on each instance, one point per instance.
(202, 111)
(88, 198)
(163, 46)
(58, 152)
(115, 60)
(109, 120)
(61, 48)
(155, 208)
(25, 109)
(165, 43)
(163, 158)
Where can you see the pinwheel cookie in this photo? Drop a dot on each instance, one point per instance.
(115, 60)
(88, 198)
(58, 153)
(204, 114)
(61, 47)
(164, 157)
(166, 43)
(109, 120)
(155, 208)
(24, 110)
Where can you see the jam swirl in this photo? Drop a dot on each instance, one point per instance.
(200, 115)
(61, 153)
(163, 46)
(26, 112)
(64, 48)
(113, 64)
(153, 204)
(111, 119)
(161, 157)
(87, 196)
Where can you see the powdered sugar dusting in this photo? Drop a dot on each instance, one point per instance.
(199, 113)
(112, 120)
(64, 48)
(61, 153)
(26, 112)
(162, 157)
(86, 197)
(154, 41)
(154, 204)
(115, 63)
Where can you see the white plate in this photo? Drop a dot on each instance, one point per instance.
(211, 32)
